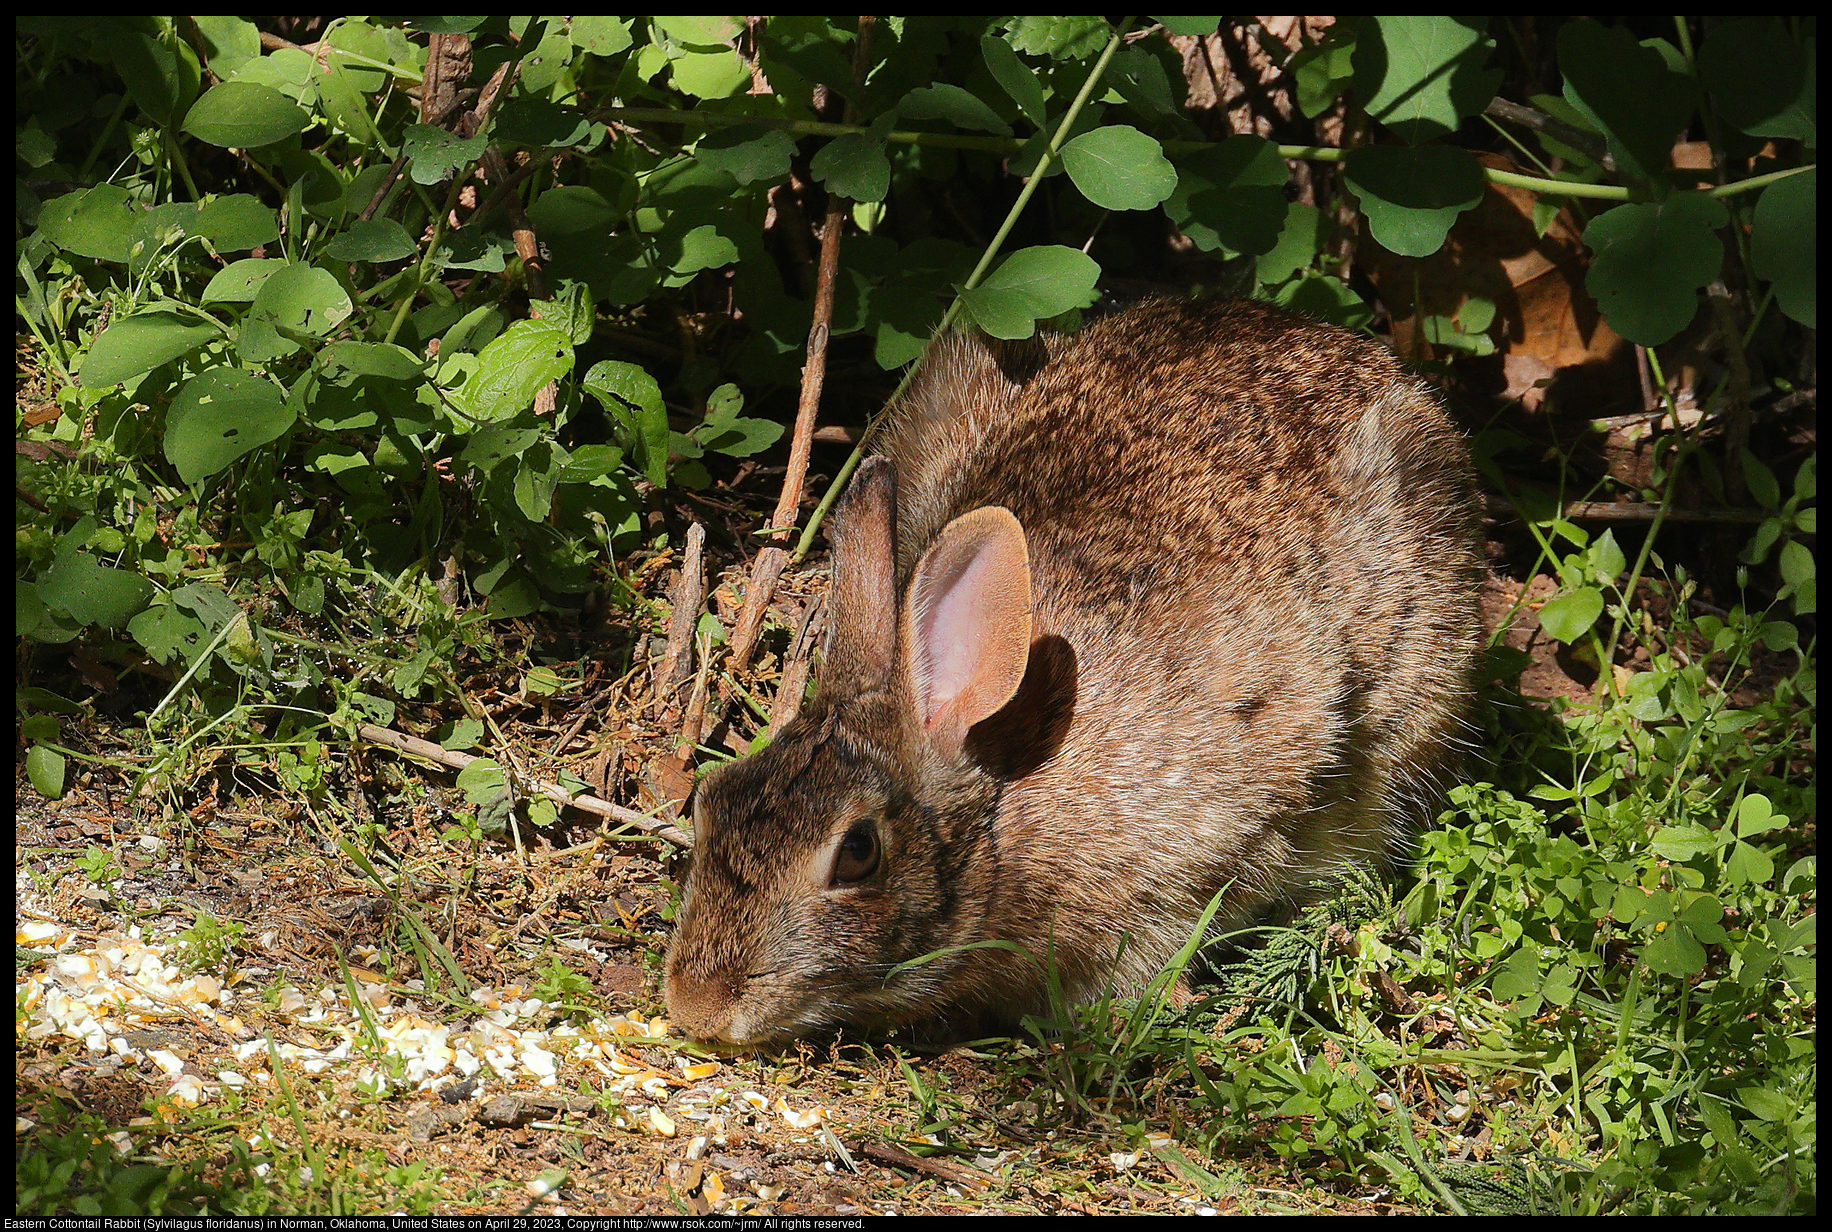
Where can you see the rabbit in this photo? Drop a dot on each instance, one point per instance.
(1181, 606)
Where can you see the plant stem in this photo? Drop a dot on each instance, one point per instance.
(973, 280)
(1012, 145)
(1647, 542)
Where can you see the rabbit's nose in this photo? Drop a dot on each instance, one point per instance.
(701, 1004)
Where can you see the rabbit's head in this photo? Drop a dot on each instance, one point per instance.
(862, 838)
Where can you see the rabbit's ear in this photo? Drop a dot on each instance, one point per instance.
(864, 637)
(968, 623)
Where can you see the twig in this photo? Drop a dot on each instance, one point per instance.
(688, 594)
(497, 168)
(1629, 511)
(896, 1157)
(1586, 143)
(578, 725)
(1736, 438)
(553, 791)
(695, 717)
(766, 570)
(795, 670)
(771, 560)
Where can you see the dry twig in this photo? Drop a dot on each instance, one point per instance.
(553, 791)
(768, 567)
(688, 596)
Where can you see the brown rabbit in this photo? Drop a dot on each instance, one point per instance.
(1178, 606)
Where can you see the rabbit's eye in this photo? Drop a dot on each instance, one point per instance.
(857, 857)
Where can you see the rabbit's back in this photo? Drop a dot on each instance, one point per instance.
(1253, 550)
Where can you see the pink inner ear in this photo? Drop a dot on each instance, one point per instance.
(971, 626)
(956, 626)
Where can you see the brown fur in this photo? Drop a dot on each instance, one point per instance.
(1251, 613)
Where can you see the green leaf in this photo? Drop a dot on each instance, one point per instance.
(1197, 26)
(436, 154)
(481, 780)
(1327, 299)
(158, 231)
(514, 598)
(1796, 563)
(372, 240)
(1117, 167)
(244, 115)
(1784, 244)
(1060, 38)
(1031, 284)
(1606, 559)
(854, 165)
(1761, 81)
(1561, 984)
(1411, 197)
(513, 368)
(1651, 260)
(140, 343)
(160, 70)
(1299, 241)
(907, 320)
(537, 474)
(724, 403)
(1749, 865)
(1420, 76)
(236, 223)
(631, 396)
(341, 361)
(179, 629)
(589, 462)
(228, 43)
(1321, 70)
(91, 593)
(1630, 91)
(1518, 977)
(97, 223)
(703, 247)
(489, 446)
(1759, 479)
(1570, 616)
(740, 438)
(570, 309)
(1139, 78)
(357, 385)
(1770, 1105)
(1674, 952)
(1776, 635)
(747, 157)
(943, 101)
(297, 301)
(601, 36)
(219, 416)
(1230, 197)
(1682, 842)
(700, 31)
(45, 767)
(1015, 77)
(572, 209)
(545, 61)
(709, 74)
(532, 122)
